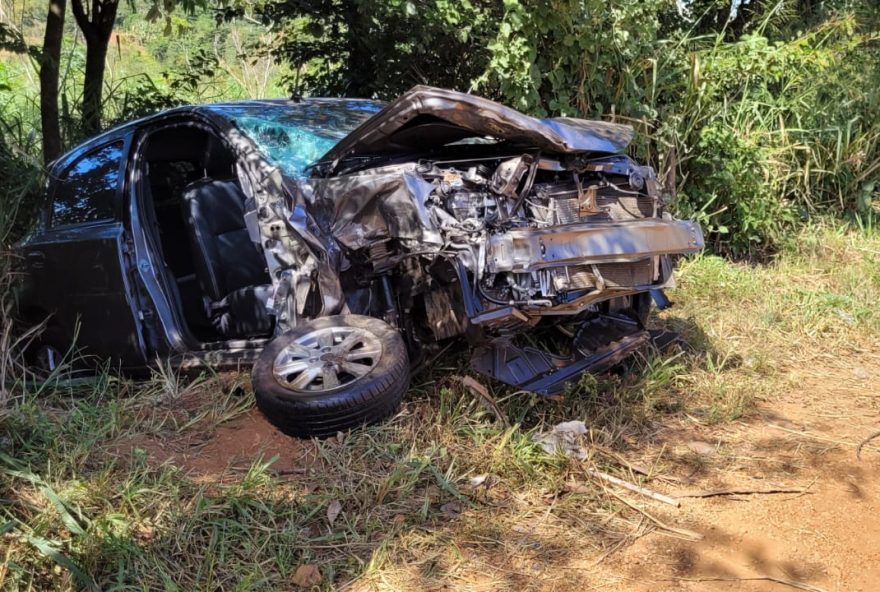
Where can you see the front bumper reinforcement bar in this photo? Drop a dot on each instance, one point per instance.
(530, 249)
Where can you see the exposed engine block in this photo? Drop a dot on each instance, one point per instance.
(497, 213)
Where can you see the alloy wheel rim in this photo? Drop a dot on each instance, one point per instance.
(327, 359)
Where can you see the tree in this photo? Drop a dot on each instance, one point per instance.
(46, 61)
(50, 57)
(370, 48)
(96, 23)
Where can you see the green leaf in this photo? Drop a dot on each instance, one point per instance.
(70, 522)
(50, 552)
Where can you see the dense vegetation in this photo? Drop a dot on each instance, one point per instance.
(761, 119)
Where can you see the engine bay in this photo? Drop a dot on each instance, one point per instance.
(487, 247)
(483, 208)
(484, 240)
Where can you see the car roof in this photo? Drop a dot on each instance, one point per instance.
(212, 110)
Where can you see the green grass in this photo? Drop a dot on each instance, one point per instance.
(87, 503)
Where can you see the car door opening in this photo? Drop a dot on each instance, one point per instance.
(197, 206)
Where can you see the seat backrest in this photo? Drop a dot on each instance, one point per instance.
(225, 257)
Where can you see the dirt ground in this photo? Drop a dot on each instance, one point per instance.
(228, 452)
(826, 536)
(806, 438)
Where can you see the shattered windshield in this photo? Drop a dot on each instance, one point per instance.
(296, 134)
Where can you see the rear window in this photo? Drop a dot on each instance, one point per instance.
(87, 189)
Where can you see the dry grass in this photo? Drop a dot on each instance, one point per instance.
(442, 496)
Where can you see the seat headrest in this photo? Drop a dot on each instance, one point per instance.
(215, 205)
(219, 160)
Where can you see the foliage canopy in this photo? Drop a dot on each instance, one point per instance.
(760, 119)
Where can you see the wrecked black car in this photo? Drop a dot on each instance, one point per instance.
(336, 244)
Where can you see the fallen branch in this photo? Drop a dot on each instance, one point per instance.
(633, 487)
(783, 581)
(683, 532)
(865, 441)
(720, 492)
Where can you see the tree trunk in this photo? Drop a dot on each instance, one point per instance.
(93, 84)
(96, 25)
(50, 59)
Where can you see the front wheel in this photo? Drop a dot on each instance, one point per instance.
(331, 374)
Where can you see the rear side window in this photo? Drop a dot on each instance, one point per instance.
(87, 189)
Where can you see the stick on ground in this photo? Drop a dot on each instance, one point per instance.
(721, 492)
(633, 487)
(865, 441)
(682, 532)
(783, 581)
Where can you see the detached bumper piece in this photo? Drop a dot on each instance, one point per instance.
(598, 345)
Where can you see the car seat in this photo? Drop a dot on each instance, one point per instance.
(230, 268)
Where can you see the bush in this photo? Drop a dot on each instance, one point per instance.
(20, 180)
(762, 132)
(728, 190)
(761, 122)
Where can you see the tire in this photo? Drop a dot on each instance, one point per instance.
(44, 360)
(366, 388)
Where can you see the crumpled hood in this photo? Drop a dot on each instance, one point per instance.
(425, 117)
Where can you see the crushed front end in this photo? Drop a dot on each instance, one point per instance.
(539, 246)
(558, 268)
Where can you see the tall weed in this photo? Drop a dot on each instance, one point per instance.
(20, 180)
